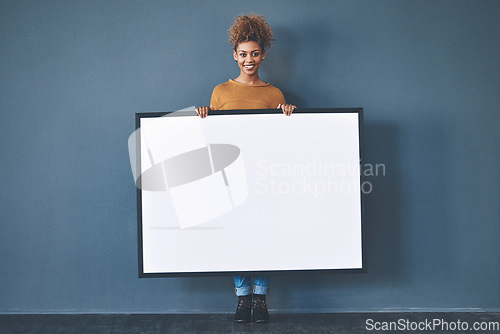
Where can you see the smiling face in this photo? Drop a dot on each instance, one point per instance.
(249, 55)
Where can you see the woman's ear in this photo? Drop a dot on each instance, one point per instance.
(235, 56)
(263, 55)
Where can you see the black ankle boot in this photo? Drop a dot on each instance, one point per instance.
(260, 313)
(244, 309)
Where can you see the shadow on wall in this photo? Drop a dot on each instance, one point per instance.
(384, 248)
(297, 64)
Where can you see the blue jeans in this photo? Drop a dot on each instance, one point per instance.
(242, 285)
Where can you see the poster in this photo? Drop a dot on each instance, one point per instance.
(248, 191)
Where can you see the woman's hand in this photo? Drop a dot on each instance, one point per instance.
(287, 108)
(203, 111)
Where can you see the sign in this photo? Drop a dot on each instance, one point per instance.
(247, 191)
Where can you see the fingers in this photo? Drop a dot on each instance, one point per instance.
(203, 111)
(287, 109)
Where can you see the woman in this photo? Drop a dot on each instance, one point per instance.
(250, 37)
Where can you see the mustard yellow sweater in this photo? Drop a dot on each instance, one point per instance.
(234, 95)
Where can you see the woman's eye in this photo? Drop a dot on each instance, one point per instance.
(242, 55)
(255, 54)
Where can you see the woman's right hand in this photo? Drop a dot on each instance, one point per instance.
(203, 111)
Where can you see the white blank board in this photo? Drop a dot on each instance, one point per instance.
(260, 192)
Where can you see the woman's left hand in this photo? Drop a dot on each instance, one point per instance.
(287, 108)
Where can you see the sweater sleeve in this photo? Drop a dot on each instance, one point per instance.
(280, 99)
(214, 101)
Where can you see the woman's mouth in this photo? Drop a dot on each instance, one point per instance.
(249, 67)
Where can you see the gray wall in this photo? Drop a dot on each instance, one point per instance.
(73, 73)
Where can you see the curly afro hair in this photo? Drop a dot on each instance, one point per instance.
(251, 28)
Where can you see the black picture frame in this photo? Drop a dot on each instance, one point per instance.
(215, 113)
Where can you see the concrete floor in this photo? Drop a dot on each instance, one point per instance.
(351, 323)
